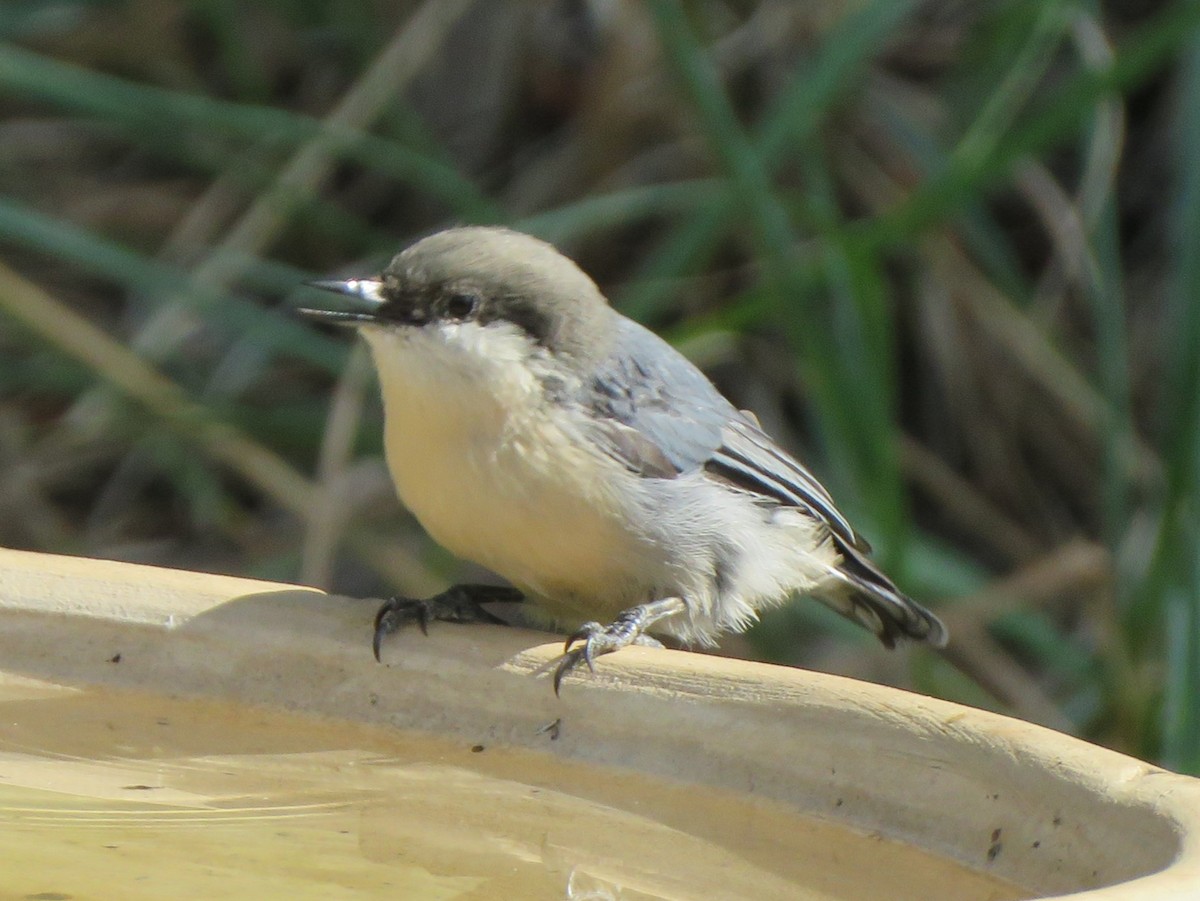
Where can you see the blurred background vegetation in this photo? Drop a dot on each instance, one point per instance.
(948, 251)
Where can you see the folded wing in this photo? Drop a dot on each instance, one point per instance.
(661, 417)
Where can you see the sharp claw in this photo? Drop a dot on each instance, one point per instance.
(569, 662)
(385, 624)
(377, 642)
(583, 633)
(381, 630)
(571, 659)
(423, 618)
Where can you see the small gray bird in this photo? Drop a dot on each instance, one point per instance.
(534, 430)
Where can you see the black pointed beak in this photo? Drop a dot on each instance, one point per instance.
(365, 298)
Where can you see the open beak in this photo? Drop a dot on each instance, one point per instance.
(364, 298)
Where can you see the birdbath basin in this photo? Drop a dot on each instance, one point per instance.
(174, 734)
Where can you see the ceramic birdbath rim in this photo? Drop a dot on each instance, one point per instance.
(1044, 811)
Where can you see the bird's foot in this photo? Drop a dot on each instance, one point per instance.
(628, 628)
(458, 604)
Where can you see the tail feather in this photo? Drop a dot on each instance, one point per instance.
(870, 598)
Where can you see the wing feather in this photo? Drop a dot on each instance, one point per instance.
(746, 450)
(661, 418)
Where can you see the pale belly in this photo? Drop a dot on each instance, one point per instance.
(490, 473)
(529, 507)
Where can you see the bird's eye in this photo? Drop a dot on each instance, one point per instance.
(462, 306)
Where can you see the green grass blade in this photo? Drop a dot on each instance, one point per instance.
(771, 232)
(26, 227)
(148, 110)
(1144, 52)
(603, 211)
(1174, 580)
(792, 120)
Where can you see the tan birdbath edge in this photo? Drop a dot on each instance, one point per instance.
(1031, 806)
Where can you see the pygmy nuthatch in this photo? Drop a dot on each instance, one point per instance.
(536, 431)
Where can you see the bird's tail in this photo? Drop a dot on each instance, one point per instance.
(863, 594)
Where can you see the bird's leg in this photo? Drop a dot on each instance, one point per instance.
(626, 629)
(457, 604)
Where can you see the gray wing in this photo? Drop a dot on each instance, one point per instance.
(662, 417)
